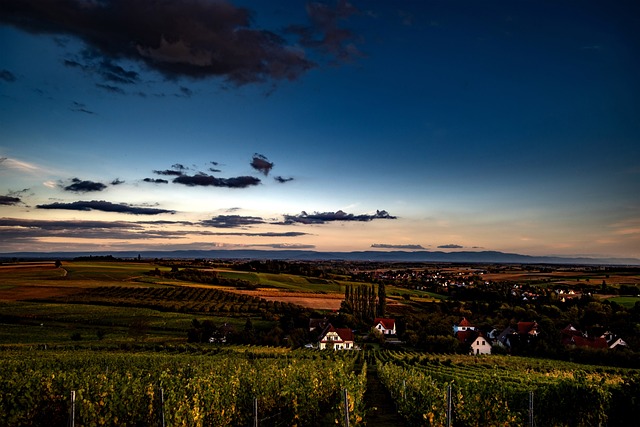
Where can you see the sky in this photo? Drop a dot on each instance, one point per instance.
(446, 125)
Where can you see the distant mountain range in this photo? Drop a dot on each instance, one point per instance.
(305, 255)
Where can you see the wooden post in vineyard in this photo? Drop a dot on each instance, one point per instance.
(449, 406)
(531, 422)
(72, 409)
(162, 407)
(255, 412)
(346, 407)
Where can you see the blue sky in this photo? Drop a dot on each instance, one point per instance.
(437, 125)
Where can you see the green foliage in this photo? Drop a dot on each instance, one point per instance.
(496, 390)
(218, 390)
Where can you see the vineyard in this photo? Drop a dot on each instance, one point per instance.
(184, 299)
(507, 391)
(239, 385)
(230, 388)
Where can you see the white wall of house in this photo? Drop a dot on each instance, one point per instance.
(480, 346)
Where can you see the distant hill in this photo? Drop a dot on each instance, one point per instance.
(388, 256)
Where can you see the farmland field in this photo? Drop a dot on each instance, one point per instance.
(115, 333)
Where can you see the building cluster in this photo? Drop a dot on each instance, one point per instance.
(526, 332)
(332, 338)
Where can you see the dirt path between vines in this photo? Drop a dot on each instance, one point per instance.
(381, 411)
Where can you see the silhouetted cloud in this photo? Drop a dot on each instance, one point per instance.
(117, 181)
(324, 217)
(79, 186)
(450, 246)
(93, 63)
(205, 180)
(168, 172)
(386, 246)
(282, 180)
(80, 107)
(261, 164)
(191, 38)
(156, 180)
(9, 200)
(232, 221)
(7, 76)
(325, 34)
(104, 206)
(111, 88)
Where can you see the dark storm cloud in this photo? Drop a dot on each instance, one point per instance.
(386, 246)
(9, 200)
(204, 180)
(79, 186)
(104, 206)
(192, 38)
(450, 246)
(324, 217)
(156, 180)
(282, 180)
(261, 164)
(232, 221)
(7, 76)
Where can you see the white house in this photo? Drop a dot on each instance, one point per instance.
(480, 345)
(336, 338)
(385, 326)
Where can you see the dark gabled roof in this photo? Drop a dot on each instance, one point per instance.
(386, 323)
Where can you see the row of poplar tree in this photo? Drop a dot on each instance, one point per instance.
(364, 303)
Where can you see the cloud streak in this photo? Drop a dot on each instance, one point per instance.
(104, 206)
(387, 246)
(232, 221)
(325, 217)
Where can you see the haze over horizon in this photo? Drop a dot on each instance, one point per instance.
(328, 126)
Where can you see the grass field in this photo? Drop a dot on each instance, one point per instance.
(627, 302)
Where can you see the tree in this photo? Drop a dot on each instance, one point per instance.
(382, 300)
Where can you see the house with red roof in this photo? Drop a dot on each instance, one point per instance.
(336, 338)
(385, 326)
(463, 325)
